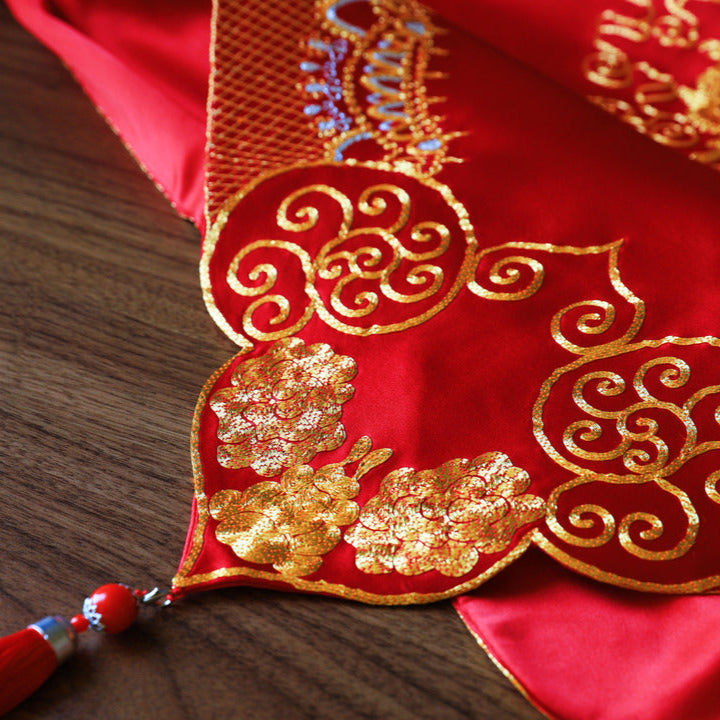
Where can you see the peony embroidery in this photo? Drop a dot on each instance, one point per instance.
(291, 524)
(283, 407)
(443, 519)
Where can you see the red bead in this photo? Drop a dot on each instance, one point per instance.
(80, 623)
(111, 608)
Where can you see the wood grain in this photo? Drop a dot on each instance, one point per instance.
(104, 346)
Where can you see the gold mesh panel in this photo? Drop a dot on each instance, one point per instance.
(257, 121)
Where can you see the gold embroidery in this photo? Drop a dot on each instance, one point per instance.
(443, 519)
(358, 270)
(502, 276)
(625, 418)
(185, 578)
(707, 584)
(325, 479)
(367, 82)
(583, 517)
(255, 70)
(292, 524)
(650, 100)
(591, 321)
(711, 486)
(638, 403)
(636, 426)
(283, 407)
(358, 82)
(413, 272)
(703, 102)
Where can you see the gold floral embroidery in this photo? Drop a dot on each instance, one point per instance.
(639, 93)
(283, 407)
(443, 519)
(291, 524)
(703, 101)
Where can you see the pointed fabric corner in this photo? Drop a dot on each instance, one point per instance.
(513, 379)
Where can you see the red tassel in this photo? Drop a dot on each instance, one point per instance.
(29, 657)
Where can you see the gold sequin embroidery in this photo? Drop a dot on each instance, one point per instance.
(367, 83)
(629, 417)
(654, 102)
(443, 519)
(283, 407)
(591, 516)
(374, 258)
(291, 524)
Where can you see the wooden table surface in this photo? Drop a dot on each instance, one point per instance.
(104, 346)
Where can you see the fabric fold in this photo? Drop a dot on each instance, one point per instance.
(152, 93)
(598, 653)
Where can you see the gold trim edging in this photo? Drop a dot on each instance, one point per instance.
(186, 580)
(505, 671)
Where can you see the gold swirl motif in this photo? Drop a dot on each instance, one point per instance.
(650, 100)
(580, 517)
(293, 523)
(506, 272)
(597, 321)
(518, 275)
(656, 529)
(711, 486)
(283, 407)
(636, 423)
(601, 316)
(631, 423)
(588, 515)
(360, 265)
(608, 384)
(609, 67)
(443, 519)
(630, 27)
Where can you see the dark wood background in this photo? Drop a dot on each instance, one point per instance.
(104, 347)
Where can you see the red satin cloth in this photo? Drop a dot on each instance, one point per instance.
(145, 66)
(553, 170)
(599, 653)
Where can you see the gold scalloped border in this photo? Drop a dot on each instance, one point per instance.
(185, 580)
(710, 585)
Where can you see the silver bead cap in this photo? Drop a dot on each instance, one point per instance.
(59, 634)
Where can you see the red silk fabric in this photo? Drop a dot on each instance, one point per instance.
(546, 168)
(588, 653)
(145, 66)
(541, 301)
